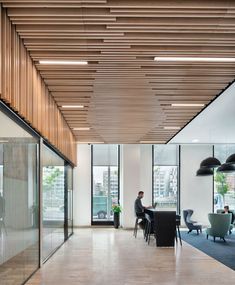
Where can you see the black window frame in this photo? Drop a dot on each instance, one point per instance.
(66, 232)
(103, 223)
(178, 177)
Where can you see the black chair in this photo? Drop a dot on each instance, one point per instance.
(148, 227)
(191, 225)
(177, 231)
(137, 220)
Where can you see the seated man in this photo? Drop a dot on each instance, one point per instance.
(139, 209)
(227, 211)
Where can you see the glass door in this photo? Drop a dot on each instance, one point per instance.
(53, 205)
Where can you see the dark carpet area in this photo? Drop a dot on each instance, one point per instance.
(222, 251)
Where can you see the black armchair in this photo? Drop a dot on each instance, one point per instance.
(192, 225)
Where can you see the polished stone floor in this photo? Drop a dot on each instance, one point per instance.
(115, 257)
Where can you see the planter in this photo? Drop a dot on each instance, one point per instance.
(116, 220)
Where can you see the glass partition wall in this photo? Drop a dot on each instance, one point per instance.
(56, 201)
(224, 183)
(19, 202)
(105, 182)
(165, 177)
(69, 199)
(20, 231)
(53, 208)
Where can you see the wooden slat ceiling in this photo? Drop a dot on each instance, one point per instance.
(127, 95)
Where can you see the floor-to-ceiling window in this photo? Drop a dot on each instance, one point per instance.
(165, 176)
(105, 182)
(19, 202)
(224, 183)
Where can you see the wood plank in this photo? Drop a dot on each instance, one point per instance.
(25, 91)
(122, 83)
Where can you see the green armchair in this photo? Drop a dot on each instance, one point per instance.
(220, 224)
(220, 211)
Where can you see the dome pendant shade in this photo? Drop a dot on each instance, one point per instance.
(204, 172)
(210, 162)
(231, 159)
(226, 168)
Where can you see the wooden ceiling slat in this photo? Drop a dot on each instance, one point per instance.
(126, 94)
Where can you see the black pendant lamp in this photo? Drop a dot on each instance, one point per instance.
(204, 171)
(210, 162)
(231, 159)
(226, 168)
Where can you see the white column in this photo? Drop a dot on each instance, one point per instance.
(130, 182)
(196, 191)
(82, 187)
(146, 173)
(136, 175)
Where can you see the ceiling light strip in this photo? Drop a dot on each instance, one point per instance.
(153, 142)
(81, 129)
(171, 128)
(80, 142)
(195, 59)
(72, 106)
(187, 105)
(63, 62)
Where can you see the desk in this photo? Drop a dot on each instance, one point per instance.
(164, 226)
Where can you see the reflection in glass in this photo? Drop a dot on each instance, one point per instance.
(19, 222)
(224, 183)
(165, 176)
(105, 181)
(53, 201)
(70, 199)
(165, 186)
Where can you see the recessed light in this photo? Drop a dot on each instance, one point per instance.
(187, 105)
(64, 62)
(80, 142)
(171, 128)
(152, 142)
(195, 140)
(196, 59)
(81, 129)
(73, 106)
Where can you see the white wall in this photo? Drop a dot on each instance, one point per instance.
(136, 175)
(82, 187)
(130, 181)
(196, 191)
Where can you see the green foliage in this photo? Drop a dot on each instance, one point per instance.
(117, 208)
(50, 179)
(221, 183)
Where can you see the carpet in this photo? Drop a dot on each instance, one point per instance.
(222, 251)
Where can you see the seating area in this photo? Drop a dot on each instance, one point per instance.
(232, 224)
(220, 225)
(191, 225)
(164, 227)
